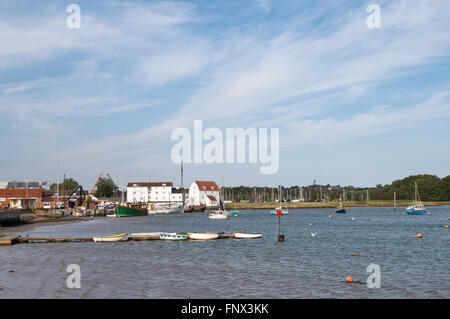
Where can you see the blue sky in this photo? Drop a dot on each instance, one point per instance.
(355, 106)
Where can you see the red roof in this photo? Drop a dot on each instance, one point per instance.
(212, 198)
(207, 186)
(20, 192)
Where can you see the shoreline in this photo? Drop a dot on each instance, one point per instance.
(29, 223)
(318, 205)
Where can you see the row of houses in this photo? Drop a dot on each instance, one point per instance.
(33, 194)
(200, 193)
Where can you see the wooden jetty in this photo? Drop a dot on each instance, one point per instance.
(15, 239)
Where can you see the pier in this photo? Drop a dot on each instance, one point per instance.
(15, 239)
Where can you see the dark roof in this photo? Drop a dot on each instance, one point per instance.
(149, 184)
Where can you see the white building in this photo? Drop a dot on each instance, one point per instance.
(153, 192)
(204, 193)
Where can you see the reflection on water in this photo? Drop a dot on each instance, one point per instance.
(302, 267)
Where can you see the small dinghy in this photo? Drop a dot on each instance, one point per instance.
(121, 237)
(203, 236)
(173, 236)
(146, 236)
(239, 235)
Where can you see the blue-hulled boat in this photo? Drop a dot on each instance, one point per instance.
(417, 208)
(340, 209)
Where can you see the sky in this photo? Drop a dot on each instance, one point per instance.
(353, 105)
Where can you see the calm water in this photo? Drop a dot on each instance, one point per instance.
(302, 267)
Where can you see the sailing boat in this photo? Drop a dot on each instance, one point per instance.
(283, 212)
(417, 208)
(340, 209)
(221, 213)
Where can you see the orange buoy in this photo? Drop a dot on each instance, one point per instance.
(349, 279)
(353, 254)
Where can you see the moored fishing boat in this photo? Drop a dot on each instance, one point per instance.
(173, 236)
(130, 210)
(417, 208)
(114, 238)
(203, 236)
(240, 235)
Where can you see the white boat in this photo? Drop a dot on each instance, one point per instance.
(203, 236)
(146, 236)
(165, 209)
(79, 214)
(114, 238)
(173, 236)
(239, 235)
(219, 214)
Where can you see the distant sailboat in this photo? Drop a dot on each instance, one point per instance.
(340, 209)
(417, 208)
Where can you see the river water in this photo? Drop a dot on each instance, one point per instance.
(304, 266)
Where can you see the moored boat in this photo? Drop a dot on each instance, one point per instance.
(129, 211)
(203, 236)
(114, 238)
(195, 208)
(240, 235)
(173, 236)
(146, 236)
(340, 209)
(417, 208)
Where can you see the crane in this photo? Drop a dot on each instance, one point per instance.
(92, 189)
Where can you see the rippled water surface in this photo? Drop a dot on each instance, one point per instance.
(301, 267)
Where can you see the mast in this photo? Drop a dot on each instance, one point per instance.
(57, 184)
(182, 187)
(121, 182)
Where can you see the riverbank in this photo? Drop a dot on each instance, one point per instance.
(306, 205)
(30, 221)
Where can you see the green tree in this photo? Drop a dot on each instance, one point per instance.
(105, 188)
(69, 184)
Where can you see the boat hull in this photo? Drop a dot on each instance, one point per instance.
(416, 212)
(218, 215)
(203, 236)
(340, 211)
(169, 210)
(125, 211)
(195, 209)
(109, 239)
(146, 236)
(247, 235)
(173, 236)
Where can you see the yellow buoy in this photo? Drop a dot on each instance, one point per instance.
(446, 226)
(419, 235)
